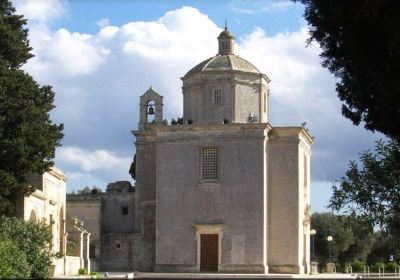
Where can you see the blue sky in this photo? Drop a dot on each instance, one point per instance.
(100, 56)
(242, 16)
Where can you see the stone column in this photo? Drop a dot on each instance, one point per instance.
(65, 252)
(79, 247)
(86, 250)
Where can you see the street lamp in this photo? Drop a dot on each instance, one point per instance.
(329, 239)
(313, 232)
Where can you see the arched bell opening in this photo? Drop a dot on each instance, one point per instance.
(151, 108)
(151, 111)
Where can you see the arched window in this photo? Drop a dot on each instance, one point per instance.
(33, 216)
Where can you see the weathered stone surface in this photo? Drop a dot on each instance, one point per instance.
(254, 200)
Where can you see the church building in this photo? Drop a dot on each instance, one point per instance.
(225, 191)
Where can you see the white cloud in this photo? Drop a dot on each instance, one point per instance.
(41, 10)
(298, 80)
(92, 160)
(98, 79)
(64, 53)
(103, 22)
(176, 36)
(108, 32)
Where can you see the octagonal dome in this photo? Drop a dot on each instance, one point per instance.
(223, 63)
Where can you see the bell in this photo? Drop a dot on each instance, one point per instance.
(151, 110)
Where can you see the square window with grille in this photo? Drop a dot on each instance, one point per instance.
(209, 163)
(217, 96)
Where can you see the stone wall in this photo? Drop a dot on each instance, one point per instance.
(72, 265)
(186, 204)
(242, 94)
(120, 251)
(286, 207)
(110, 218)
(87, 208)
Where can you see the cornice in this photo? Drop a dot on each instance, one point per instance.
(213, 127)
(292, 131)
(39, 194)
(216, 72)
(58, 174)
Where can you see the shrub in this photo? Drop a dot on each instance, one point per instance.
(376, 266)
(31, 241)
(13, 263)
(82, 271)
(95, 275)
(390, 267)
(358, 266)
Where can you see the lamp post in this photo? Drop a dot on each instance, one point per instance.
(329, 239)
(313, 232)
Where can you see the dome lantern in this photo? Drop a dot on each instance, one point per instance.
(225, 42)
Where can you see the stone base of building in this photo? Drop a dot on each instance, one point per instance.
(223, 268)
(286, 269)
(176, 268)
(243, 268)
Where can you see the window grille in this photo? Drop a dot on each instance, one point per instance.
(217, 96)
(209, 163)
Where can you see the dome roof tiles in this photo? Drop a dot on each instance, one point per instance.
(227, 62)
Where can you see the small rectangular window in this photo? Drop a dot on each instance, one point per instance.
(124, 210)
(118, 246)
(209, 163)
(217, 96)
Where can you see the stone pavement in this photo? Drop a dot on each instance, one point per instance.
(210, 276)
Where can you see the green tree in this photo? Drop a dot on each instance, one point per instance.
(363, 239)
(382, 247)
(360, 43)
(328, 224)
(352, 238)
(32, 244)
(372, 188)
(28, 137)
(178, 121)
(132, 168)
(87, 190)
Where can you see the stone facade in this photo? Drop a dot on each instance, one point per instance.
(256, 198)
(110, 218)
(225, 191)
(47, 203)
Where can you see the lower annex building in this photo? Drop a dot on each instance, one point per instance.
(225, 191)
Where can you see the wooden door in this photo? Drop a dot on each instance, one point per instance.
(209, 252)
